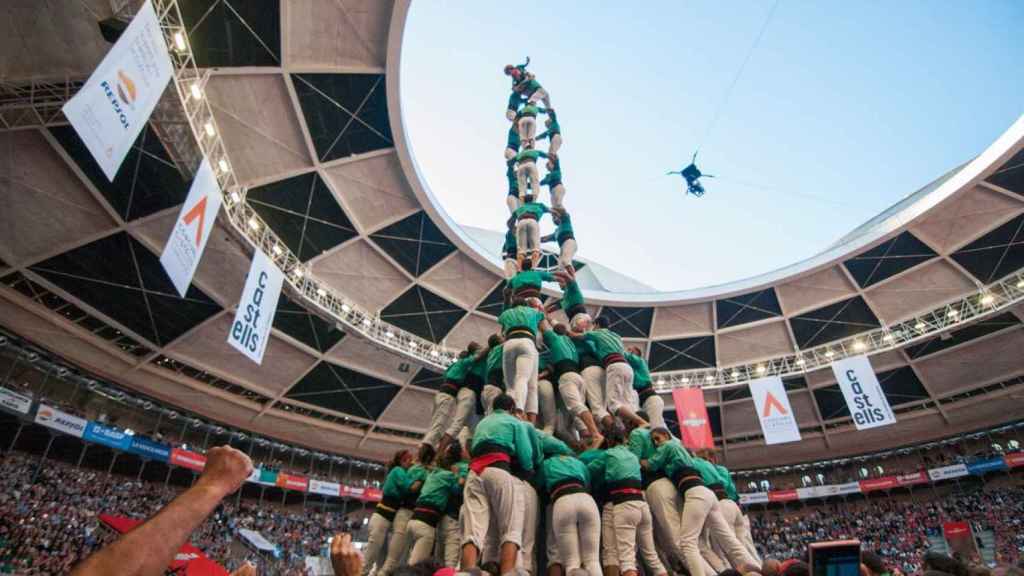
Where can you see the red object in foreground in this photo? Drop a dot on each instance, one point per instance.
(189, 560)
(694, 427)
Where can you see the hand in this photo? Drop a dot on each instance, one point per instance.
(346, 560)
(226, 469)
(246, 569)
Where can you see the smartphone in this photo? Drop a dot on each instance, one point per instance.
(836, 558)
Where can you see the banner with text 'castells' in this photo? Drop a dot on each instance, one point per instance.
(114, 104)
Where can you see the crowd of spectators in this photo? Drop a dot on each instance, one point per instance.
(49, 524)
(896, 529)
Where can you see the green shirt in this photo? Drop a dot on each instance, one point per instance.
(726, 478)
(508, 249)
(605, 342)
(513, 141)
(530, 278)
(529, 86)
(396, 485)
(513, 181)
(563, 231)
(456, 371)
(572, 296)
(561, 468)
(707, 470)
(640, 443)
(510, 433)
(670, 457)
(437, 488)
(554, 176)
(543, 361)
(530, 155)
(478, 367)
(594, 460)
(522, 317)
(621, 465)
(494, 360)
(583, 349)
(537, 209)
(641, 375)
(560, 348)
(553, 129)
(531, 110)
(515, 100)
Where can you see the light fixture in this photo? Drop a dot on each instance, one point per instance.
(390, 334)
(800, 361)
(1020, 284)
(346, 308)
(887, 338)
(735, 374)
(196, 92)
(709, 378)
(297, 272)
(433, 353)
(223, 165)
(686, 380)
(367, 322)
(761, 369)
(952, 313)
(987, 299)
(858, 345)
(235, 198)
(254, 223)
(919, 326)
(412, 345)
(277, 249)
(208, 128)
(829, 354)
(179, 41)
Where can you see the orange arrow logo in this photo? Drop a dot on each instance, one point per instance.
(197, 211)
(770, 401)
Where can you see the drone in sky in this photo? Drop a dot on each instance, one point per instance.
(692, 175)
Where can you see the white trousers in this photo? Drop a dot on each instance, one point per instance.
(577, 530)
(570, 388)
(555, 144)
(735, 519)
(465, 408)
(527, 175)
(527, 128)
(717, 529)
(421, 541)
(487, 398)
(593, 385)
(609, 543)
(567, 252)
(527, 236)
(519, 361)
(546, 406)
(618, 379)
(633, 526)
(492, 503)
(450, 533)
(440, 418)
(399, 541)
(654, 406)
(378, 535)
(531, 514)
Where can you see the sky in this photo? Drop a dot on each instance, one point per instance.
(842, 109)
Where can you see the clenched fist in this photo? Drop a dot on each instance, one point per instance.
(345, 559)
(226, 469)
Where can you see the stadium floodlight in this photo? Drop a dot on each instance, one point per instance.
(298, 273)
(761, 368)
(254, 223)
(235, 198)
(346, 308)
(709, 378)
(367, 322)
(223, 165)
(321, 292)
(179, 41)
(952, 313)
(829, 353)
(987, 299)
(887, 338)
(800, 361)
(859, 346)
(919, 326)
(390, 334)
(208, 128)
(277, 250)
(686, 379)
(196, 91)
(735, 373)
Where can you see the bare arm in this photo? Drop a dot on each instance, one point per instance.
(150, 548)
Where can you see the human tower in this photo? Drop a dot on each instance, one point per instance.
(552, 426)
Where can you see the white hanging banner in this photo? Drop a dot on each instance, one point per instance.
(112, 107)
(251, 329)
(188, 239)
(864, 396)
(773, 411)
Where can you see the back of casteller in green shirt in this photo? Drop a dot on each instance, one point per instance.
(560, 348)
(536, 209)
(621, 465)
(530, 155)
(530, 278)
(641, 375)
(396, 484)
(605, 342)
(456, 371)
(521, 317)
(494, 360)
(564, 468)
(708, 472)
(640, 443)
(670, 457)
(508, 432)
(437, 488)
(730, 486)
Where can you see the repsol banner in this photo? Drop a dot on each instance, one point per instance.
(114, 104)
(189, 460)
(11, 401)
(947, 472)
(912, 479)
(1014, 459)
(325, 488)
(251, 329)
(783, 495)
(864, 396)
(107, 435)
(980, 467)
(754, 498)
(290, 482)
(872, 484)
(149, 449)
(61, 421)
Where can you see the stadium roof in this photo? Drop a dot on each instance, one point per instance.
(306, 102)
